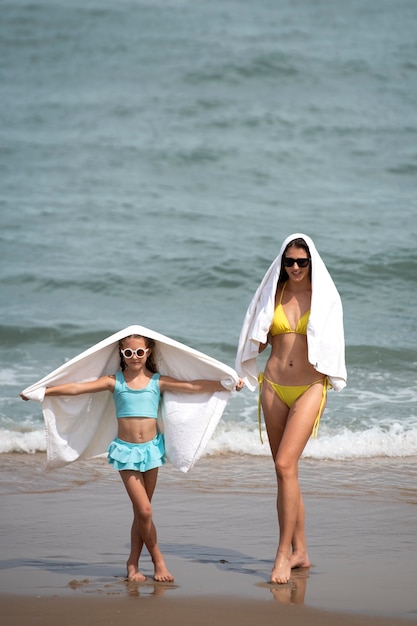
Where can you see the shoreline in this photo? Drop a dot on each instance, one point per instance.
(65, 549)
(87, 611)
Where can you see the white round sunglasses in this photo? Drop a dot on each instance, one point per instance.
(139, 352)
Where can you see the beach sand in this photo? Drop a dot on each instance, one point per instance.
(65, 539)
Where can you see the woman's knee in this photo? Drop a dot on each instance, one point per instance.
(284, 467)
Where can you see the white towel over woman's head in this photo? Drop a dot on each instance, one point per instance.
(325, 335)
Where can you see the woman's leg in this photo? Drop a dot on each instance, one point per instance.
(288, 432)
(140, 488)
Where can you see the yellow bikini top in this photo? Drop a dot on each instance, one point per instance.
(280, 324)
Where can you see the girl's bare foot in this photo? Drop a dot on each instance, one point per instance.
(299, 559)
(281, 572)
(134, 575)
(161, 574)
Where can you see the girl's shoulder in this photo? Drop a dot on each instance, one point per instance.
(155, 381)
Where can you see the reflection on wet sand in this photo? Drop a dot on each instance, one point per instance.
(294, 591)
(147, 588)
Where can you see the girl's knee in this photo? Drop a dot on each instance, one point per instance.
(144, 513)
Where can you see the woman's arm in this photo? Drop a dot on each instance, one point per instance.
(262, 346)
(105, 383)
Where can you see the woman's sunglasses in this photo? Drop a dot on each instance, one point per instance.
(289, 262)
(139, 352)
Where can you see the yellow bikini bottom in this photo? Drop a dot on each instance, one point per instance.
(289, 394)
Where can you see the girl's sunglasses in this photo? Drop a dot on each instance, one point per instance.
(289, 262)
(139, 352)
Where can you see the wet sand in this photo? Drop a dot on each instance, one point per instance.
(65, 538)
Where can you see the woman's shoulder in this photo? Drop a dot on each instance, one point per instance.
(279, 291)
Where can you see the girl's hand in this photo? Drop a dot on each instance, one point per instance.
(23, 397)
(240, 384)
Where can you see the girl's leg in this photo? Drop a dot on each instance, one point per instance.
(288, 432)
(136, 545)
(143, 529)
(136, 541)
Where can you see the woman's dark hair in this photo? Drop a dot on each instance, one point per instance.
(150, 361)
(297, 243)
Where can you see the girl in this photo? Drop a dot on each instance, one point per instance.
(138, 450)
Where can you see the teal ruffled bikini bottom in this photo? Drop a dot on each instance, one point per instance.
(139, 457)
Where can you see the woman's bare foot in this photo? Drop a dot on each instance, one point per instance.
(299, 559)
(134, 575)
(161, 573)
(281, 572)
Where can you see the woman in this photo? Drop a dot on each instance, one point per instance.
(297, 310)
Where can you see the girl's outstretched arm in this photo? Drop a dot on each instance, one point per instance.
(105, 383)
(167, 383)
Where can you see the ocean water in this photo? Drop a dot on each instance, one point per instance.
(154, 155)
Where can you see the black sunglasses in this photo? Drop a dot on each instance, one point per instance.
(289, 262)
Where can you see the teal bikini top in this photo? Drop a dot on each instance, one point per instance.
(137, 402)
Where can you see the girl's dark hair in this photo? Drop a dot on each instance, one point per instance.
(150, 361)
(297, 243)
